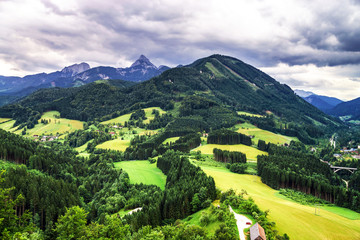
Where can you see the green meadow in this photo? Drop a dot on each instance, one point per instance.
(55, 125)
(251, 153)
(125, 118)
(170, 140)
(115, 144)
(143, 172)
(267, 136)
(249, 114)
(4, 120)
(8, 125)
(298, 221)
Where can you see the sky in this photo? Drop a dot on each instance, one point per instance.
(312, 45)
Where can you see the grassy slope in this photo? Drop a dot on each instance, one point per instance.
(4, 120)
(249, 114)
(125, 118)
(115, 144)
(267, 136)
(297, 220)
(143, 172)
(8, 125)
(250, 152)
(61, 126)
(170, 140)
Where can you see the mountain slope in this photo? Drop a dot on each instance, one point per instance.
(323, 103)
(350, 108)
(224, 80)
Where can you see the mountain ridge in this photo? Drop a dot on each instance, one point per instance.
(324, 103)
(75, 75)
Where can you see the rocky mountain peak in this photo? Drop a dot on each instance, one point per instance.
(143, 62)
(76, 68)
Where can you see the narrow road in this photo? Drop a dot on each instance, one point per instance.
(241, 221)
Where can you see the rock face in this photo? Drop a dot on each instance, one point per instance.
(143, 62)
(75, 69)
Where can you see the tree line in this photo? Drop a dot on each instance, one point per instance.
(229, 157)
(228, 137)
(287, 168)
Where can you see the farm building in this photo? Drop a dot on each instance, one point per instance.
(257, 232)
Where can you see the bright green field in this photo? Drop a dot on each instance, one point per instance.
(116, 144)
(56, 125)
(251, 153)
(249, 114)
(298, 221)
(8, 126)
(143, 172)
(4, 120)
(125, 118)
(171, 140)
(267, 136)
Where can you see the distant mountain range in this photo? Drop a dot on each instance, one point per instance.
(347, 111)
(324, 103)
(12, 88)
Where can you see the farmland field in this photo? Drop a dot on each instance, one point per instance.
(125, 118)
(116, 144)
(251, 153)
(298, 221)
(267, 136)
(143, 172)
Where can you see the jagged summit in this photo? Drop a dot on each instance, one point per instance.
(143, 62)
(76, 68)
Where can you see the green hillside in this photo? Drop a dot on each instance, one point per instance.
(213, 88)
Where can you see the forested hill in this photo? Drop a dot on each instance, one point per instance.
(227, 81)
(350, 109)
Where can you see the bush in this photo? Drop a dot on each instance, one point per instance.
(238, 167)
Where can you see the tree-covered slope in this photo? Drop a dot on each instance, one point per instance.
(350, 108)
(224, 80)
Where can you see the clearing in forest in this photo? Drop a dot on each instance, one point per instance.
(115, 144)
(126, 117)
(143, 172)
(267, 136)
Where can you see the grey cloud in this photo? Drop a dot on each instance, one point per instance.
(166, 30)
